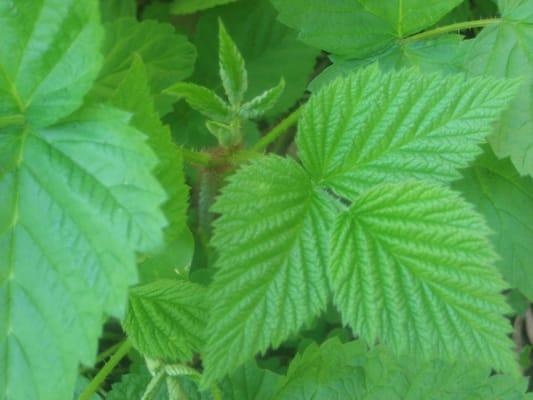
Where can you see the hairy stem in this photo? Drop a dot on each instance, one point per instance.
(101, 376)
(278, 130)
(197, 157)
(459, 26)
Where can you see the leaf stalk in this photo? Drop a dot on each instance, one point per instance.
(459, 26)
(101, 376)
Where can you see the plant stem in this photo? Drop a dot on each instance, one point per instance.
(103, 355)
(101, 376)
(459, 26)
(197, 157)
(278, 130)
(153, 385)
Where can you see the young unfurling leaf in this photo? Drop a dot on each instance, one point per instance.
(231, 67)
(259, 105)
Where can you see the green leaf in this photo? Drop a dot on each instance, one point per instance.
(115, 9)
(359, 29)
(168, 57)
(231, 67)
(259, 105)
(49, 57)
(506, 200)
(191, 6)
(372, 127)
(78, 203)
(444, 54)
(411, 265)
(78, 200)
(342, 27)
(249, 382)
(336, 371)
(133, 95)
(333, 371)
(133, 385)
(410, 16)
(165, 319)
(504, 50)
(173, 259)
(202, 100)
(271, 240)
(413, 380)
(271, 51)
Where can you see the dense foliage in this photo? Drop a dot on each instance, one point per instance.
(266, 199)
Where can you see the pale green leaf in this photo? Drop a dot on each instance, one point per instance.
(259, 105)
(359, 29)
(78, 203)
(166, 318)
(374, 127)
(201, 99)
(411, 265)
(231, 67)
(506, 201)
(49, 57)
(191, 6)
(506, 50)
(133, 95)
(271, 51)
(271, 241)
(168, 57)
(78, 200)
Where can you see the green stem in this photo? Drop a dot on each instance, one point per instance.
(278, 130)
(104, 354)
(101, 376)
(459, 26)
(153, 385)
(197, 157)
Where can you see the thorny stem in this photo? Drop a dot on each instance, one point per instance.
(459, 26)
(101, 376)
(207, 160)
